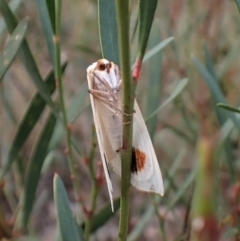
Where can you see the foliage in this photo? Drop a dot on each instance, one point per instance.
(187, 87)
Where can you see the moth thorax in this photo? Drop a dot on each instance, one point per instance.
(138, 160)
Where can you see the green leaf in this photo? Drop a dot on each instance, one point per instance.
(51, 12)
(184, 186)
(12, 46)
(103, 215)
(213, 87)
(157, 48)
(13, 4)
(26, 56)
(221, 117)
(5, 95)
(34, 169)
(135, 28)
(108, 30)
(179, 132)
(178, 89)
(29, 120)
(238, 4)
(141, 224)
(66, 224)
(76, 106)
(209, 63)
(230, 232)
(45, 20)
(175, 166)
(154, 81)
(228, 148)
(228, 107)
(146, 14)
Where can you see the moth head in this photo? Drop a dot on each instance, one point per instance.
(104, 65)
(104, 71)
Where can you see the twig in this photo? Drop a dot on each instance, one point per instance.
(58, 76)
(122, 10)
(94, 187)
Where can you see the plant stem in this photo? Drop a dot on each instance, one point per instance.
(161, 220)
(58, 77)
(94, 188)
(122, 10)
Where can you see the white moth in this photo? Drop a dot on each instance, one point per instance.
(105, 90)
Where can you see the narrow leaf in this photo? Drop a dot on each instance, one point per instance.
(221, 117)
(66, 224)
(5, 98)
(146, 14)
(141, 224)
(12, 46)
(154, 81)
(214, 88)
(26, 56)
(34, 168)
(209, 62)
(13, 4)
(103, 215)
(184, 186)
(76, 106)
(238, 4)
(108, 30)
(45, 20)
(157, 48)
(51, 12)
(29, 120)
(179, 88)
(228, 107)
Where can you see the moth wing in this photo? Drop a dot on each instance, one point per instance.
(99, 131)
(148, 178)
(109, 142)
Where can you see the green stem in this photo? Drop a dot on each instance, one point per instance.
(161, 221)
(94, 188)
(58, 77)
(122, 10)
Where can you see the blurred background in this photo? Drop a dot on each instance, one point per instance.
(196, 142)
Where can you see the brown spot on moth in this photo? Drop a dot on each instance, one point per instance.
(138, 160)
(102, 66)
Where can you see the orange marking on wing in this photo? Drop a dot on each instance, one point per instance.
(140, 159)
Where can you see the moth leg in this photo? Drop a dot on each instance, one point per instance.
(101, 96)
(119, 85)
(108, 87)
(131, 114)
(98, 93)
(104, 83)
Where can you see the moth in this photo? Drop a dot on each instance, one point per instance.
(105, 88)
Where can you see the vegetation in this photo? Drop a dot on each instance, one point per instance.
(180, 57)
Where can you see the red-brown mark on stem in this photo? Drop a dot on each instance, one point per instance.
(137, 69)
(69, 127)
